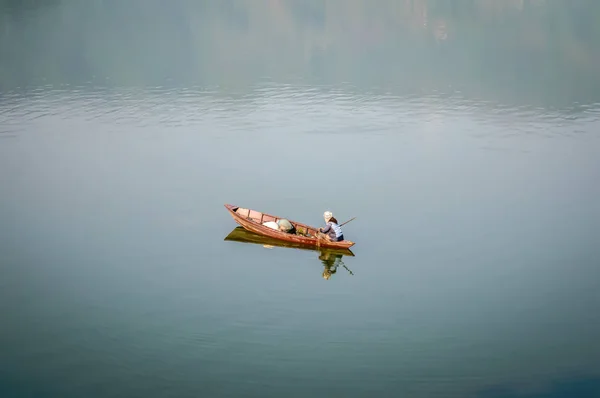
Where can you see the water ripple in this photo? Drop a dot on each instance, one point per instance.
(339, 110)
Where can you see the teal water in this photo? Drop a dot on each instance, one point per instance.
(473, 173)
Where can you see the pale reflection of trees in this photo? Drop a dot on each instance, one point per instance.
(356, 25)
(420, 43)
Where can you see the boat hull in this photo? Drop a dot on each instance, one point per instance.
(240, 234)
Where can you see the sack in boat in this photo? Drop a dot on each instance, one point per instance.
(271, 224)
(285, 225)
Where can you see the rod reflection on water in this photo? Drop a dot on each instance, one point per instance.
(330, 258)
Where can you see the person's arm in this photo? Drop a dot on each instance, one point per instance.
(326, 229)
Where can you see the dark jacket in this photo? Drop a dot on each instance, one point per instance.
(333, 231)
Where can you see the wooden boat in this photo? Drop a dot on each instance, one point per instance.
(240, 234)
(306, 235)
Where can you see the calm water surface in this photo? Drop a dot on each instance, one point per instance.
(475, 271)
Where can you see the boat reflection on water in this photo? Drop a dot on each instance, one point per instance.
(331, 258)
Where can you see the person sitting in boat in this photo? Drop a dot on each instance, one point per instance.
(332, 228)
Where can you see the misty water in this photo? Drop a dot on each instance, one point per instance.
(463, 136)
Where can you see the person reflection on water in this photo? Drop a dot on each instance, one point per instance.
(332, 229)
(331, 263)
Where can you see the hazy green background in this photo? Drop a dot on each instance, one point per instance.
(463, 135)
(540, 48)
